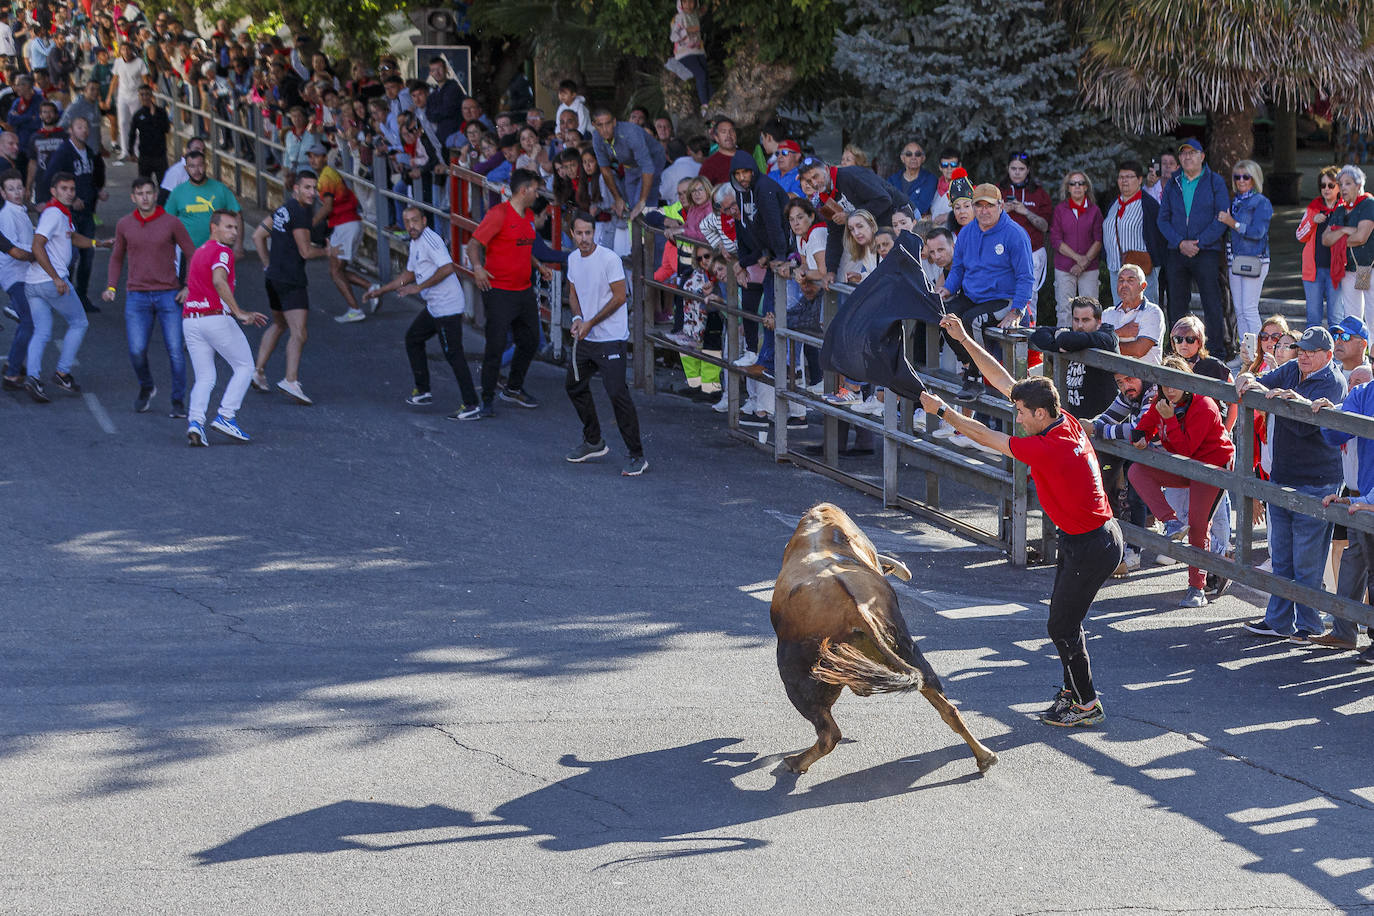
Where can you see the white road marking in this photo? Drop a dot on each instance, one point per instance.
(102, 416)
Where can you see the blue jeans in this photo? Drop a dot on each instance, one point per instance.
(43, 301)
(1298, 547)
(19, 348)
(141, 308)
(766, 308)
(1321, 293)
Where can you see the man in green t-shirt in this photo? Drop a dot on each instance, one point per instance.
(195, 200)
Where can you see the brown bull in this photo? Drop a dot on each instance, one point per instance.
(839, 626)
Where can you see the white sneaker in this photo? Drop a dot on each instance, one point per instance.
(1132, 559)
(748, 407)
(294, 389)
(723, 404)
(747, 358)
(945, 431)
(918, 419)
(1266, 566)
(869, 406)
(817, 389)
(372, 304)
(350, 316)
(961, 440)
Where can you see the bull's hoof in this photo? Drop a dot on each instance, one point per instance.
(794, 763)
(985, 763)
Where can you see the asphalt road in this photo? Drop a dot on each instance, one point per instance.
(379, 661)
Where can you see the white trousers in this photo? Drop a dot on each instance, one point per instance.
(125, 106)
(1066, 287)
(1040, 259)
(1357, 302)
(1245, 296)
(204, 338)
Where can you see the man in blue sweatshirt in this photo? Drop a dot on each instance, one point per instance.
(992, 276)
(1307, 462)
(1194, 236)
(766, 239)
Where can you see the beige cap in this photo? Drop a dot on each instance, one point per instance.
(988, 192)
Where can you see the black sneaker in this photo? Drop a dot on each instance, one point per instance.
(519, 396)
(755, 421)
(797, 423)
(1061, 699)
(66, 382)
(144, 402)
(486, 411)
(35, 389)
(971, 391)
(1260, 628)
(1215, 585)
(12, 382)
(1071, 715)
(1366, 657)
(587, 450)
(178, 411)
(467, 412)
(634, 467)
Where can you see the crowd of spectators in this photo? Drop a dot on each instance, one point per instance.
(1168, 229)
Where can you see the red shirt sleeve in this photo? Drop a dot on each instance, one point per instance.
(1027, 449)
(490, 226)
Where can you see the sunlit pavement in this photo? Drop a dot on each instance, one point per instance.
(380, 661)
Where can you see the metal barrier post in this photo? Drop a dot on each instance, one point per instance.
(1015, 356)
(1244, 438)
(830, 448)
(381, 205)
(732, 344)
(639, 324)
(892, 452)
(781, 362)
(259, 155)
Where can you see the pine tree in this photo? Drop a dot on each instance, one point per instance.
(986, 77)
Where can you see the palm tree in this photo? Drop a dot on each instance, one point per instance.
(1151, 62)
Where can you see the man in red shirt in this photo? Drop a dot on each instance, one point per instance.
(716, 168)
(501, 252)
(1068, 483)
(339, 211)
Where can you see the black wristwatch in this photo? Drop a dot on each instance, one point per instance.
(941, 412)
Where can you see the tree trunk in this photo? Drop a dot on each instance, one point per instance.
(1233, 138)
(752, 90)
(552, 65)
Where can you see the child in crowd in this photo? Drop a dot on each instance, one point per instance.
(689, 55)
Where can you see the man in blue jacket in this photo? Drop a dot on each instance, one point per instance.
(992, 276)
(766, 238)
(912, 181)
(1188, 221)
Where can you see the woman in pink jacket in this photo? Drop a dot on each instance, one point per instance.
(1076, 240)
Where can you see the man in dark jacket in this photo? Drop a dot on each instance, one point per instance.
(852, 188)
(1194, 237)
(1087, 391)
(765, 238)
(445, 99)
(76, 156)
(148, 130)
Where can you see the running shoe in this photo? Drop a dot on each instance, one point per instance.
(419, 398)
(467, 412)
(586, 450)
(1260, 628)
(260, 382)
(1193, 597)
(374, 304)
(178, 411)
(295, 390)
(634, 467)
(195, 435)
(66, 382)
(1061, 699)
(35, 389)
(746, 359)
(519, 396)
(351, 316)
(1072, 715)
(842, 398)
(144, 402)
(1175, 529)
(231, 429)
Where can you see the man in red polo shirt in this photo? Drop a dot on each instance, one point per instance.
(1069, 486)
(501, 252)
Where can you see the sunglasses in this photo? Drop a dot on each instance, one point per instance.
(949, 165)
(1291, 346)
(1023, 157)
(1185, 338)
(1343, 335)
(1241, 178)
(917, 153)
(1265, 335)
(1327, 184)
(1077, 183)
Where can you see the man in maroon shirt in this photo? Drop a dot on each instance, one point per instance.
(716, 168)
(1068, 484)
(149, 237)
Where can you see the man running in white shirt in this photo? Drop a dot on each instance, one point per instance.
(601, 331)
(431, 273)
(207, 321)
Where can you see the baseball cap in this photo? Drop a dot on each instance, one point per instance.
(1354, 325)
(988, 192)
(317, 148)
(1315, 338)
(789, 146)
(1193, 142)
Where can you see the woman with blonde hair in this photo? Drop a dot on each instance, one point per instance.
(852, 155)
(860, 254)
(1248, 218)
(1076, 242)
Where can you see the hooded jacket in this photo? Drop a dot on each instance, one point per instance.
(995, 264)
(762, 208)
(861, 190)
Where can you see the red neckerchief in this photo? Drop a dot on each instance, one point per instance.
(409, 148)
(21, 105)
(814, 226)
(1079, 209)
(157, 212)
(1123, 202)
(834, 186)
(1351, 206)
(54, 203)
(942, 187)
(727, 225)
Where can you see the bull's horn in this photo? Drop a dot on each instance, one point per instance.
(893, 567)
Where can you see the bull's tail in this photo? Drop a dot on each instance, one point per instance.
(846, 665)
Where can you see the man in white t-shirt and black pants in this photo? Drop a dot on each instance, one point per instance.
(601, 333)
(431, 273)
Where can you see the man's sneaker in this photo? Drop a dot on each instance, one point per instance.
(374, 304)
(1215, 585)
(944, 431)
(1175, 529)
(746, 359)
(587, 450)
(1072, 715)
(1260, 628)
(973, 387)
(9, 310)
(1366, 657)
(295, 390)
(66, 382)
(1130, 562)
(634, 467)
(195, 434)
(842, 398)
(260, 382)
(419, 398)
(797, 423)
(231, 429)
(144, 402)
(1302, 638)
(755, 421)
(817, 389)
(519, 396)
(723, 404)
(351, 316)
(35, 389)
(1193, 597)
(485, 412)
(1061, 699)
(467, 412)
(178, 411)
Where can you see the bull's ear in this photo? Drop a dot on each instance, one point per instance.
(893, 567)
